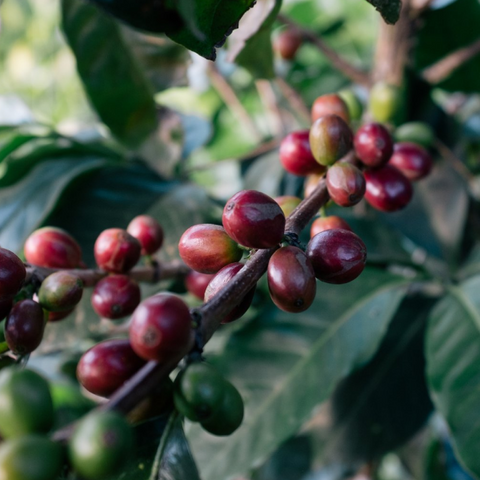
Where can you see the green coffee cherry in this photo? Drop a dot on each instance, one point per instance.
(416, 132)
(355, 107)
(30, 458)
(384, 102)
(25, 403)
(60, 291)
(100, 445)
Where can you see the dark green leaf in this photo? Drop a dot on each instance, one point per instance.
(389, 9)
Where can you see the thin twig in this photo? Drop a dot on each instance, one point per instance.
(269, 101)
(295, 100)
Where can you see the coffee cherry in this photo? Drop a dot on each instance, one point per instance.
(31, 457)
(355, 107)
(26, 404)
(288, 204)
(207, 248)
(107, 366)
(198, 392)
(311, 183)
(254, 220)
(148, 232)
(116, 250)
(388, 189)
(373, 145)
(24, 327)
(224, 276)
(52, 248)
(6, 304)
(415, 132)
(100, 445)
(161, 327)
(296, 155)
(60, 292)
(330, 139)
(328, 223)
(12, 273)
(116, 296)
(331, 104)
(196, 283)
(337, 256)
(384, 102)
(412, 160)
(287, 43)
(291, 280)
(229, 415)
(57, 316)
(345, 184)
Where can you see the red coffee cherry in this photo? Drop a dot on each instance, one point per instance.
(291, 280)
(254, 220)
(207, 248)
(116, 250)
(52, 248)
(57, 316)
(287, 43)
(345, 184)
(296, 155)
(12, 273)
(148, 232)
(412, 160)
(60, 292)
(288, 204)
(373, 144)
(24, 327)
(388, 189)
(330, 139)
(161, 327)
(6, 304)
(116, 296)
(196, 283)
(330, 104)
(328, 223)
(221, 279)
(337, 256)
(107, 366)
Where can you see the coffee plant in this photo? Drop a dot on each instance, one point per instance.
(252, 252)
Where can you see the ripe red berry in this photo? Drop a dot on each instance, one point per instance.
(116, 250)
(116, 296)
(287, 43)
(207, 248)
(337, 256)
(288, 204)
(161, 327)
(52, 248)
(224, 276)
(60, 292)
(196, 283)
(296, 155)
(291, 280)
(328, 223)
(107, 366)
(388, 189)
(330, 104)
(373, 144)
(57, 316)
(12, 273)
(148, 232)
(412, 160)
(345, 184)
(254, 220)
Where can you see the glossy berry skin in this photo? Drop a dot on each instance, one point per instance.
(412, 160)
(26, 404)
(296, 155)
(328, 223)
(61, 291)
(12, 273)
(291, 280)
(116, 250)
(6, 304)
(31, 457)
(100, 445)
(148, 232)
(24, 327)
(337, 256)
(254, 219)
(116, 296)
(388, 189)
(373, 145)
(52, 248)
(288, 43)
(288, 204)
(207, 248)
(384, 102)
(196, 283)
(330, 104)
(415, 132)
(225, 275)
(330, 139)
(345, 184)
(107, 366)
(161, 327)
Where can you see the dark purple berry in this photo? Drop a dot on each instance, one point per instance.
(373, 144)
(412, 160)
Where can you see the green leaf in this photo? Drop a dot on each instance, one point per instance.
(453, 356)
(285, 365)
(115, 85)
(389, 9)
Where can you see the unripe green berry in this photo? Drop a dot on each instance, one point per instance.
(60, 291)
(384, 102)
(415, 132)
(355, 107)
